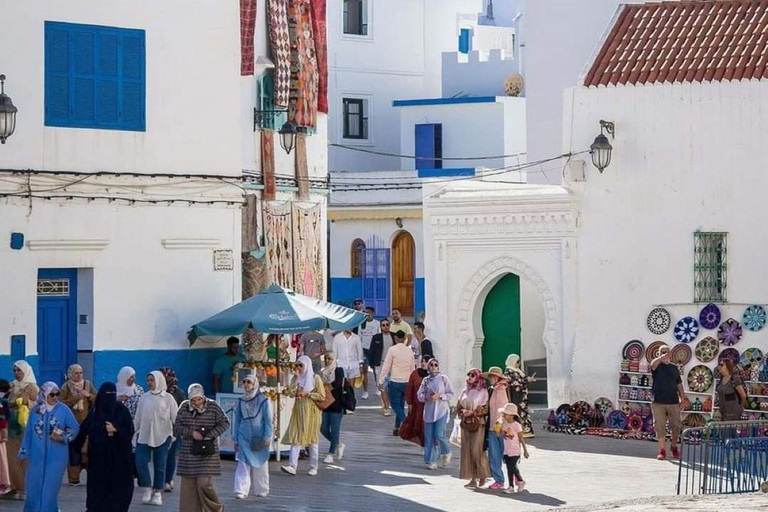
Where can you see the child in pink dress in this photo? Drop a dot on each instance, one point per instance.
(513, 442)
(5, 475)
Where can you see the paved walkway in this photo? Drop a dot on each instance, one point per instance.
(383, 473)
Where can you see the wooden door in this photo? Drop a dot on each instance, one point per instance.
(56, 322)
(403, 273)
(501, 322)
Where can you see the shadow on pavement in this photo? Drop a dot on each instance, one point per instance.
(593, 444)
(527, 497)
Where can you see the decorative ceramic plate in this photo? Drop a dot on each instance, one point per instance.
(686, 329)
(700, 379)
(729, 353)
(729, 333)
(635, 422)
(563, 408)
(652, 352)
(604, 405)
(633, 350)
(626, 408)
(694, 421)
(707, 349)
(681, 354)
(709, 317)
(659, 321)
(648, 425)
(751, 358)
(617, 420)
(754, 317)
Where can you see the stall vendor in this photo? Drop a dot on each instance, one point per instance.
(223, 367)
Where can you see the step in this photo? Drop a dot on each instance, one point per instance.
(539, 385)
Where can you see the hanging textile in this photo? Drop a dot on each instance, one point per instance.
(321, 51)
(279, 38)
(268, 164)
(279, 244)
(247, 28)
(308, 253)
(302, 103)
(255, 274)
(302, 173)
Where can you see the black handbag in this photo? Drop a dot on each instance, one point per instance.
(348, 400)
(204, 448)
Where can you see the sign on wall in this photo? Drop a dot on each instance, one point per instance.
(223, 260)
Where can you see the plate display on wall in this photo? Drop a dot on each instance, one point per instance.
(754, 317)
(659, 321)
(730, 332)
(709, 317)
(635, 422)
(648, 425)
(633, 350)
(694, 421)
(686, 329)
(652, 352)
(681, 354)
(617, 420)
(751, 358)
(604, 405)
(730, 353)
(700, 379)
(707, 349)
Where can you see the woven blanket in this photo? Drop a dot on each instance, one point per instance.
(247, 28)
(308, 254)
(319, 32)
(302, 171)
(279, 243)
(268, 164)
(302, 101)
(279, 38)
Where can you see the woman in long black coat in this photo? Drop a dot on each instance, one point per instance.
(108, 430)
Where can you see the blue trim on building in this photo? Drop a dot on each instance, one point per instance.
(418, 299)
(444, 101)
(6, 366)
(344, 290)
(438, 173)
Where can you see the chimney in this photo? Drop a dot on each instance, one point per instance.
(490, 10)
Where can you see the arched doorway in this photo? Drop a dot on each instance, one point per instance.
(501, 321)
(403, 273)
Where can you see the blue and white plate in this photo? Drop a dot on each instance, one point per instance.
(686, 329)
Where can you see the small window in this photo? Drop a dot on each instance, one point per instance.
(355, 118)
(464, 40)
(429, 146)
(356, 258)
(710, 267)
(356, 17)
(266, 116)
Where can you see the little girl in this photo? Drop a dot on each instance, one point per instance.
(5, 476)
(509, 424)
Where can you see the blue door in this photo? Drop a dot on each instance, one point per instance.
(376, 280)
(56, 322)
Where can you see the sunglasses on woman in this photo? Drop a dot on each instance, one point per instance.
(299, 365)
(54, 394)
(433, 365)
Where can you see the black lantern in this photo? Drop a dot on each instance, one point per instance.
(601, 149)
(7, 113)
(288, 137)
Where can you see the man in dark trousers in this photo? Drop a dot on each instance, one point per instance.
(668, 396)
(425, 343)
(380, 343)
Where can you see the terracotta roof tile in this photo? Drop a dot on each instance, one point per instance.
(685, 41)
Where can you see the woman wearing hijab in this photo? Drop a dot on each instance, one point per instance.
(253, 434)
(23, 392)
(304, 427)
(199, 419)
(412, 428)
(51, 427)
(128, 392)
(155, 416)
(333, 414)
(78, 394)
(435, 393)
(173, 389)
(109, 430)
(472, 409)
(518, 391)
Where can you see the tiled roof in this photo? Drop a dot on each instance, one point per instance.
(687, 41)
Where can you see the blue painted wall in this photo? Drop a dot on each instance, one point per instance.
(418, 300)
(346, 289)
(6, 366)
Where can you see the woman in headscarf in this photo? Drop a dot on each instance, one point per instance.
(200, 422)
(78, 394)
(412, 428)
(173, 388)
(109, 431)
(436, 393)
(253, 434)
(472, 409)
(51, 427)
(518, 391)
(304, 426)
(332, 375)
(153, 422)
(128, 392)
(24, 393)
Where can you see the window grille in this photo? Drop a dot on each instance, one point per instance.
(356, 258)
(355, 119)
(710, 267)
(53, 287)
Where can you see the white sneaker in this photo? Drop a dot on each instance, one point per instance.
(312, 472)
(340, 450)
(446, 460)
(157, 499)
(432, 466)
(520, 486)
(240, 496)
(328, 459)
(378, 392)
(147, 496)
(289, 469)
(365, 395)
(510, 490)
(169, 487)
(263, 494)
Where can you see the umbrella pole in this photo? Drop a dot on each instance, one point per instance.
(279, 408)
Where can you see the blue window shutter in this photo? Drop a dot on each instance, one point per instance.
(84, 67)
(108, 84)
(57, 64)
(425, 146)
(133, 86)
(464, 40)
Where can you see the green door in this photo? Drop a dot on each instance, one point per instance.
(501, 322)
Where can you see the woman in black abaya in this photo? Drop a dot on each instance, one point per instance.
(108, 430)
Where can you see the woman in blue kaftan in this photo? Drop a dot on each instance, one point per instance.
(50, 429)
(253, 434)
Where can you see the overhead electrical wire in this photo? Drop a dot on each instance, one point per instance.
(413, 157)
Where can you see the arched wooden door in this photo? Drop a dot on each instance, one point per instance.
(501, 322)
(403, 273)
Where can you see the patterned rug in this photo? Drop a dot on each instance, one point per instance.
(321, 51)
(310, 267)
(302, 107)
(302, 172)
(279, 243)
(255, 275)
(277, 19)
(247, 28)
(268, 164)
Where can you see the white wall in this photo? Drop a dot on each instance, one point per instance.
(479, 74)
(532, 322)
(85, 307)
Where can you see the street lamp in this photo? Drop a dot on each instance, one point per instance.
(7, 113)
(288, 137)
(601, 149)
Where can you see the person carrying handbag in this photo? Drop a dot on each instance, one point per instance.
(333, 379)
(472, 409)
(253, 435)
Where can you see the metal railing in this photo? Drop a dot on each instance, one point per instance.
(724, 458)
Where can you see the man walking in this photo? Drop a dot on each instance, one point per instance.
(425, 344)
(368, 329)
(398, 324)
(380, 344)
(358, 307)
(222, 367)
(349, 353)
(398, 366)
(668, 395)
(312, 345)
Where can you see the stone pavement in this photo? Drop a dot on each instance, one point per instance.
(383, 473)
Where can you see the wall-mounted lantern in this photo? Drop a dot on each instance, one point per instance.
(601, 149)
(7, 113)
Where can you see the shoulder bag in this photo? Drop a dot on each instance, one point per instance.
(204, 448)
(348, 400)
(329, 399)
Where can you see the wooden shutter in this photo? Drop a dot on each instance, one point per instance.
(428, 146)
(108, 85)
(133, 84)
(57, 108)
(464, 40)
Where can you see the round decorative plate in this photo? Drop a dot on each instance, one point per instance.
(754, 317)
(604, 405)
(751, 358)
(648, 425)
(729, 333)
(729, 353)
(681, 354)
(617, 420)
(635, 422)
(563, 409)
(700, 379)
(709, 317)
(686, 329)
(694, 421)
(707, 349)
(652, 352)
(659, 321)
(633, 350)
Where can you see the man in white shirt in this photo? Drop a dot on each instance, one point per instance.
(367, 330)
(349, 353)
